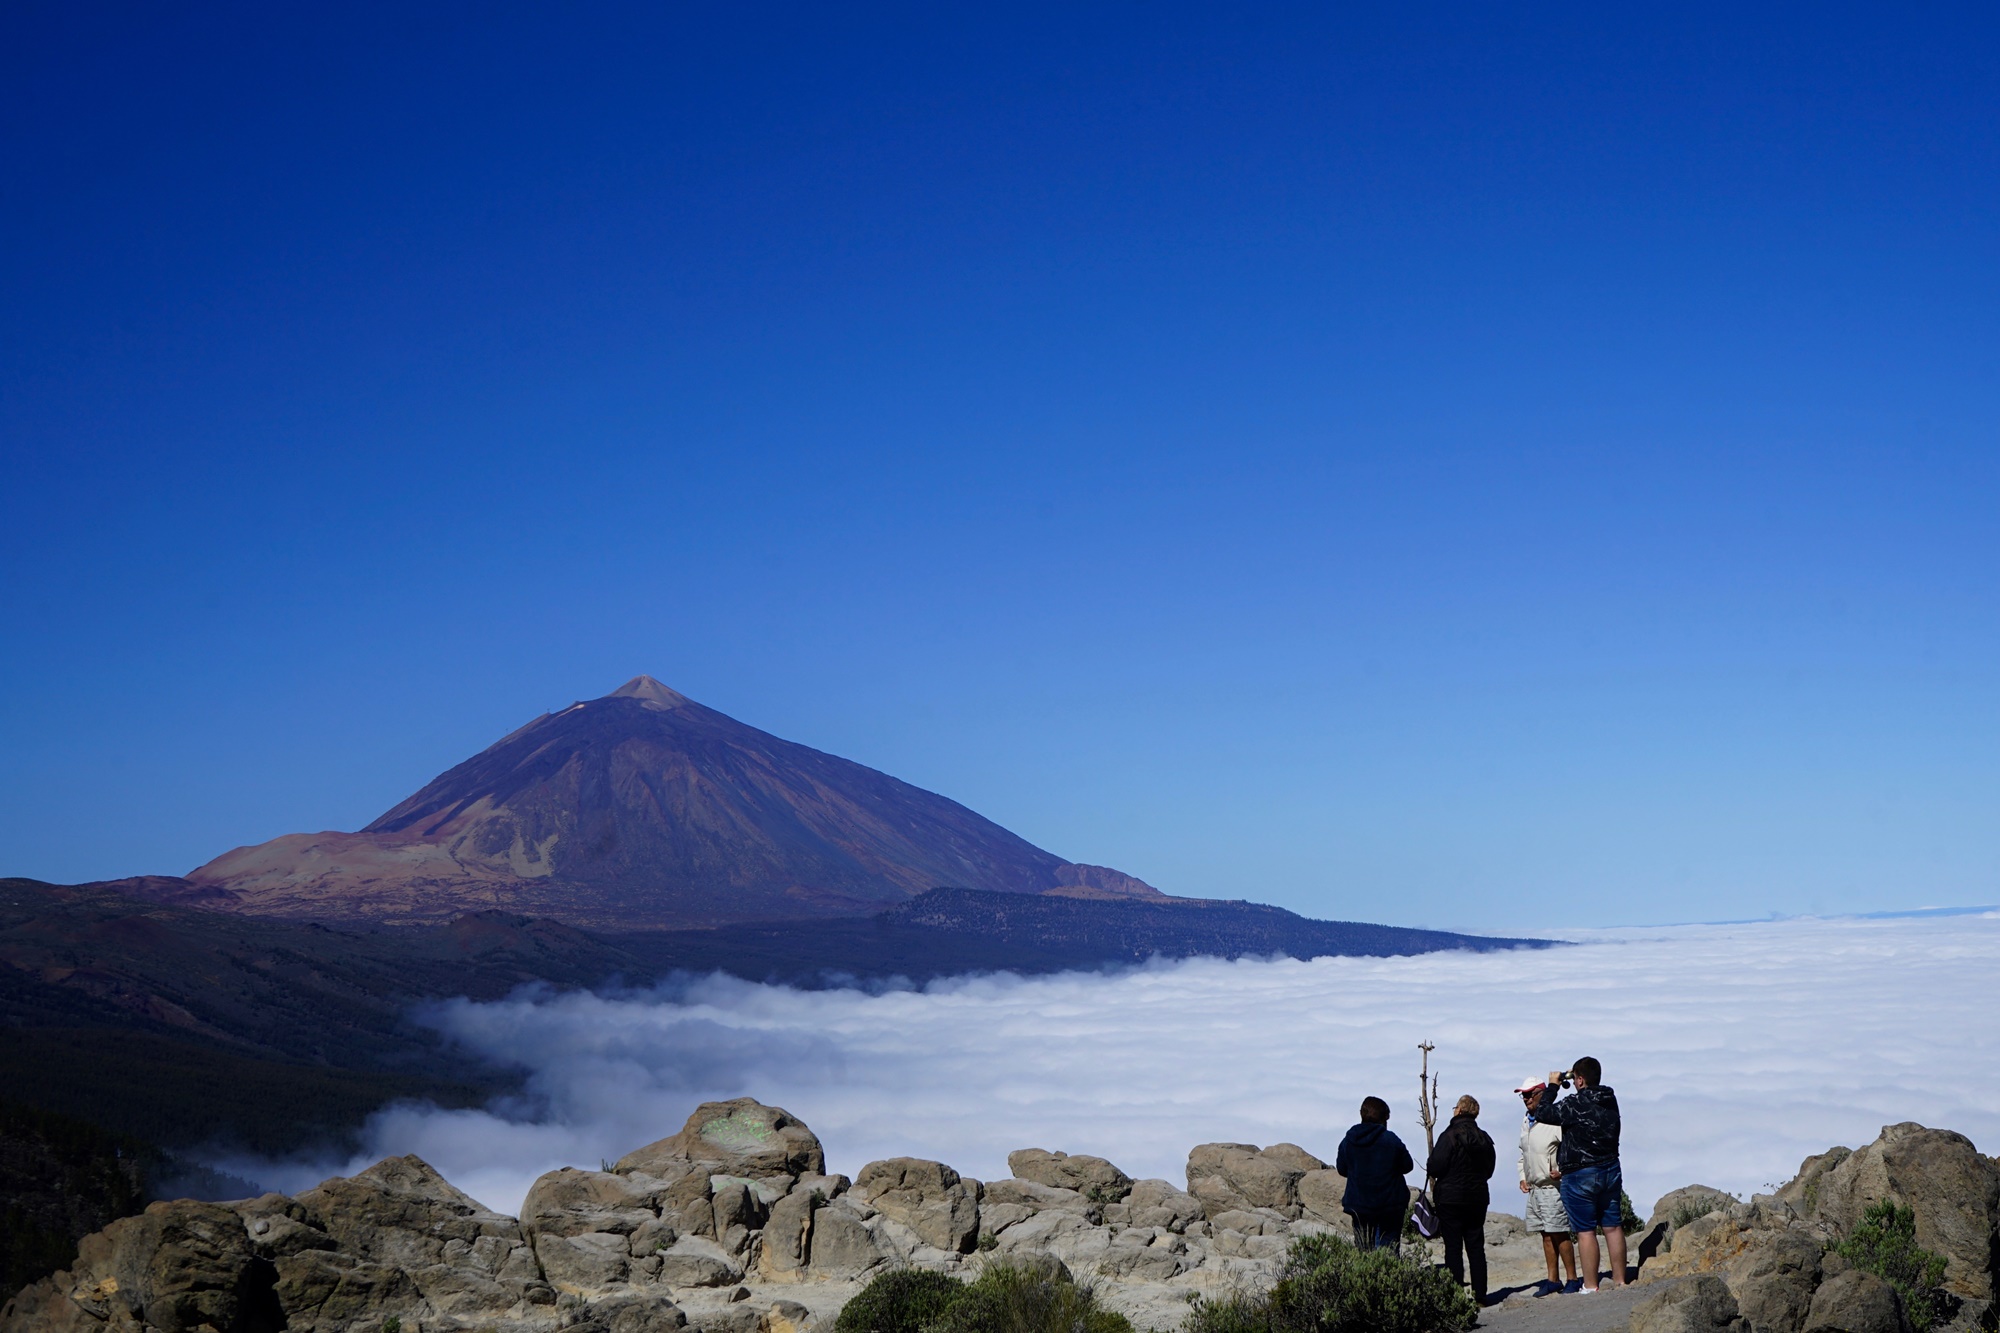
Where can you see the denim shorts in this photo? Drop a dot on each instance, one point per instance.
(1590, 1196)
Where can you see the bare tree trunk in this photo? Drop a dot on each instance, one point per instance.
(1427, 1098)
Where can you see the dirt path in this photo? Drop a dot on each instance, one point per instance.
(1565, 1314)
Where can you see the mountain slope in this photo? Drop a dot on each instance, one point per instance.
(642, 809)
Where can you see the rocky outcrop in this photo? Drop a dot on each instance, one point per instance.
(1702, 1304)
(1090, 1176)
(733, 1225)
(1855, 1302)
(1954, 1191)
(1241, 1177)
(939, 1208)
(1775, 1254)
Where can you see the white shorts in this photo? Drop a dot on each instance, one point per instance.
(1545, 1210)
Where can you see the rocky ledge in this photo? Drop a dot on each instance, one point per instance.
(734, 1225)
(1770, 1266)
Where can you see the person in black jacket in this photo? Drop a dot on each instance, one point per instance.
(1459, 1167)
(1375, 1162)
(1592, 1180)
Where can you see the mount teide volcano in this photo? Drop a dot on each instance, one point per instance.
(641, 810)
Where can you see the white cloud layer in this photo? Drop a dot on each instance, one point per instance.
(1736, 1051)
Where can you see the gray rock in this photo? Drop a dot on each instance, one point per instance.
(842, 1244)
(584, 1263)
(1690, 1198)
(1243, 1177)
(1855, 1302)
(1092, 1177)
(787, 1244)
(1698, 1304)
(1135, 1263)
(630, 1311)
(570, 1202)
(1035, 1263)
(1159, 1203)
(738, 1211)
(176, 1266)
(401, 1212)
(1319, 1195)
(1773, 1280)
(1954, 1191)
(740, 1137)
(1036, 1197)
(1802, 1191)
(694, 1261)
(995, 1218)
(927, 1197)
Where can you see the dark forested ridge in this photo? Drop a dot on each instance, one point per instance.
(134, 1029)
(950, 931)
(184, 1026)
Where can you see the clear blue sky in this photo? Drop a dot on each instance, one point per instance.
(1464, 465)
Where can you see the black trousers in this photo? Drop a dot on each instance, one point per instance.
(1464, 1233)
(1379, 1233)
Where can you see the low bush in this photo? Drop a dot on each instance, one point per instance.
(1328, 1286)
(901, 1301)
(1004, 1300)
(1010, 1300)
(1885, 1243)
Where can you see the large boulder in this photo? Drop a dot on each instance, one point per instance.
(1160, 1203)
(177, 1267)
(1320, 1194)
(1773, 1280)
(401, 1212)
(1939, 1175)
(570, 1202)
(1241, 1177)
(844, 1246)
(584, 1263)
(1689, 1202)
(741, 1137)
(1092, 1177)
(1699, 1304)
(787, 1244)
(927, 1197)
(1855, 1302)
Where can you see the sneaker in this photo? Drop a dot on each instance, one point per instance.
(1587, 1291)
(1573, 1286)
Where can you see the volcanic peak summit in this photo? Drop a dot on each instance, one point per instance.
(645, 810)
(648, 690)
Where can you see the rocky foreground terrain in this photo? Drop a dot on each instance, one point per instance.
(734, 1225)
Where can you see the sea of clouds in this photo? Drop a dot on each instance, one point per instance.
(1736, 1050)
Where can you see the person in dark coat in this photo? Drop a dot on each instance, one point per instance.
(1459, 1167)
(1375, 1162)
(1593, 1182)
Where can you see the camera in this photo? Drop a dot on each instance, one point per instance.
(1566, 1078)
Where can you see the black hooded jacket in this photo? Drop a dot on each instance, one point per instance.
(1589, 1120)
(1461, 1164)
(1374, 1162)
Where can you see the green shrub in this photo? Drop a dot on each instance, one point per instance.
(1885, 1244)
(1687, 1210)
(1010, 1300)
(1003, 1300)
(1328, 1286)
(902, 1301)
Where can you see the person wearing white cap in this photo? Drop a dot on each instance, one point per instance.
(1538, 1171)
